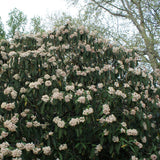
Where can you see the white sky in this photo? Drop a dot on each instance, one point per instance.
(33, 8)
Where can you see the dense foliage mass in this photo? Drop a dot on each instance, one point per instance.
(67, 95)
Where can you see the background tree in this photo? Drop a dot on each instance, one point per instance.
(36, 24)
(142, 15)
(17, 22)
(2, 31)
(91, 23)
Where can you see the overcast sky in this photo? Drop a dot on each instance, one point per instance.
(34, 7)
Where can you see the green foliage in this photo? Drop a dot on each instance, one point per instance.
(2, 32)
(17, 21)
(36, 24)
(67, 94)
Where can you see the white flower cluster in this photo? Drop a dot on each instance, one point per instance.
(140, 145)
(63, 147)
(25, 112)
(16, 77)
(111, 90)
(46, 150)
(106, 109)
(4, 149)
(23, 90)
(10, 125)
(56, 95)
(105, 132)
(48, 83)
(115, 139)
(11, 91)
(120, 93)
(45, 98)
(60, 72)
(76, 121)
(16, 153)
(135, 97)
(68, 97)
(81, 99)
(70, 87)
(8, 106)
(34, 85)
(29, 146)
(110, 119)
(60, 123)
(3, 135)
(100, 85)
(132, 132)
(87, 111)
(98, 148)
(134, 158)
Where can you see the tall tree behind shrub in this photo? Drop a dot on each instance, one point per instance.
(16, 23)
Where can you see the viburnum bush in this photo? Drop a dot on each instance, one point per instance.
(68, 95)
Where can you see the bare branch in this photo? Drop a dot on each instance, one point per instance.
(109, 11)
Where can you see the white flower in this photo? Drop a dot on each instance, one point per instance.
(81, 99)
(36, 150)
(89, 97)
(123, 130)
(74, 122)
(63, 147)
(53, 77)
(56, 119)
(144, 126)
(116, 84)
(70, 88)
(82, 119)
(98, 148)
(153, 157)
(100, 85)
(111, 90)
(137, 71)
(133, 112)
(110, 118)
(11, 126)
(12, 53)
(4, 134)
(47, 76)
(45, 98)
(29, 146)
(61, 124)
(106, 109)
(135, 97)
(16, 153)
(47, 150)
(132, 132)
(144, 139)
(124, 124)
(23, 90)
(106, 132)
(14, 94)
(134, 158)
(20, 146)
(87, 111)
(48, 83)
(16, 76)
(8, 90)
(115, 139)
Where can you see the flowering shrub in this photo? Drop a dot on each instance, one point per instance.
(69, 95)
